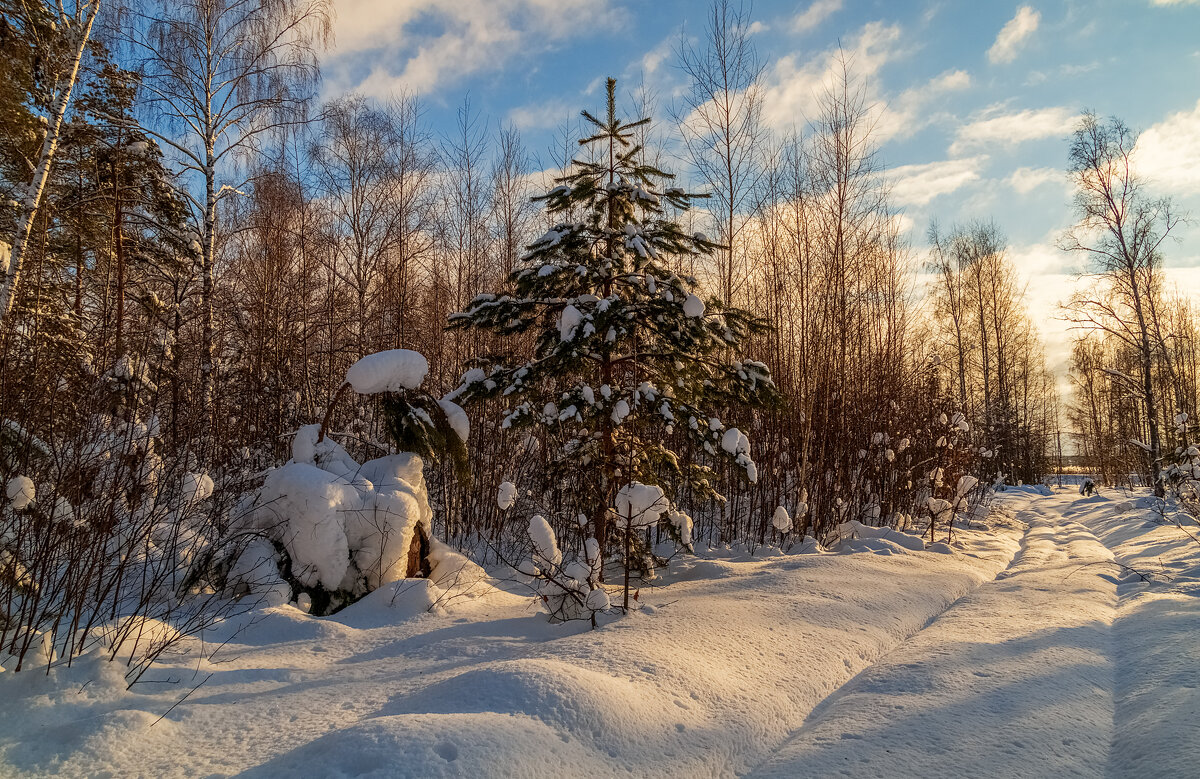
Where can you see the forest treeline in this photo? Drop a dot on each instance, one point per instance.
(199, 248)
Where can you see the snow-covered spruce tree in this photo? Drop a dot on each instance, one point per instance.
(628, 361)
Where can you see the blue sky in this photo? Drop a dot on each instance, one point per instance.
(974, 100)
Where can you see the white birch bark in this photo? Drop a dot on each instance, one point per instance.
(81, 27)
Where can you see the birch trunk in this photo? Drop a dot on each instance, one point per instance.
(33, 194)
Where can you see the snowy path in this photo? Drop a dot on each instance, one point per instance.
(1043, 672)
(1025, 653)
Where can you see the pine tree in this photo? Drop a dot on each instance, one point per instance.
(629, 364)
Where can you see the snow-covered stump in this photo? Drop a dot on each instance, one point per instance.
(340, 528)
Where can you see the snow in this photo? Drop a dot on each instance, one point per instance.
(1028, 651)
(388, 371)
(568, 321)
(459, 422)
(545, 546)
(780, 520)
(640, 504)
(693, 306)
(735, 441)
(345, 526)
(20, 492)
(197, 487)
(506, 495)
(854, 536)
(312, 502)
(683, 525)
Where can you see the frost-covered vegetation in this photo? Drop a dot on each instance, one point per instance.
(284, 359)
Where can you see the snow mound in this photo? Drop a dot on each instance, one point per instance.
(277, 625)
(433, 746)
(388, 371)
(854, 536)
(391, 604)
(585, 703)
(98, 737)
(809, 545)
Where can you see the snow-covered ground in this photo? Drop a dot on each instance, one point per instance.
(1057, 642)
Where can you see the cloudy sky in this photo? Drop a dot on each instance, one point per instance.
(974, 99)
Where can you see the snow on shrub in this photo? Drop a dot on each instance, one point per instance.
(780, 520)
(506, 495)
(962, 489)
(737, 443)
(457, 418)
(939, 509)
(346, 528)
(545, 546)
(570, 589)
(640, 505)
(389, 371)
(20, 492)
(1183, 475)
(682, 523)
(196, 487)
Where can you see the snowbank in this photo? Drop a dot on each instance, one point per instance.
(854, 536)
(1064, 649)
(727, 658)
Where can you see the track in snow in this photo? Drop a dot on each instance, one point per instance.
(1021, 677)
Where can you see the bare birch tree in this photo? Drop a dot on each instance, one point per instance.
(1121, 229)
(720, 120)
(220, 74)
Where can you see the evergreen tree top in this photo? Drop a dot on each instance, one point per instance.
(624, 342)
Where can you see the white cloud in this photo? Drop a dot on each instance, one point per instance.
(1168, 153)
(1049, 277)
(811, 17)
(910, 111)
(422, 45)
(919, 184)
(653, 59)
(1025, 180)
(1007, 129)
(795, 86)
(1013, 34)
(1174, 2)
(905, 225)
(542, 115)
